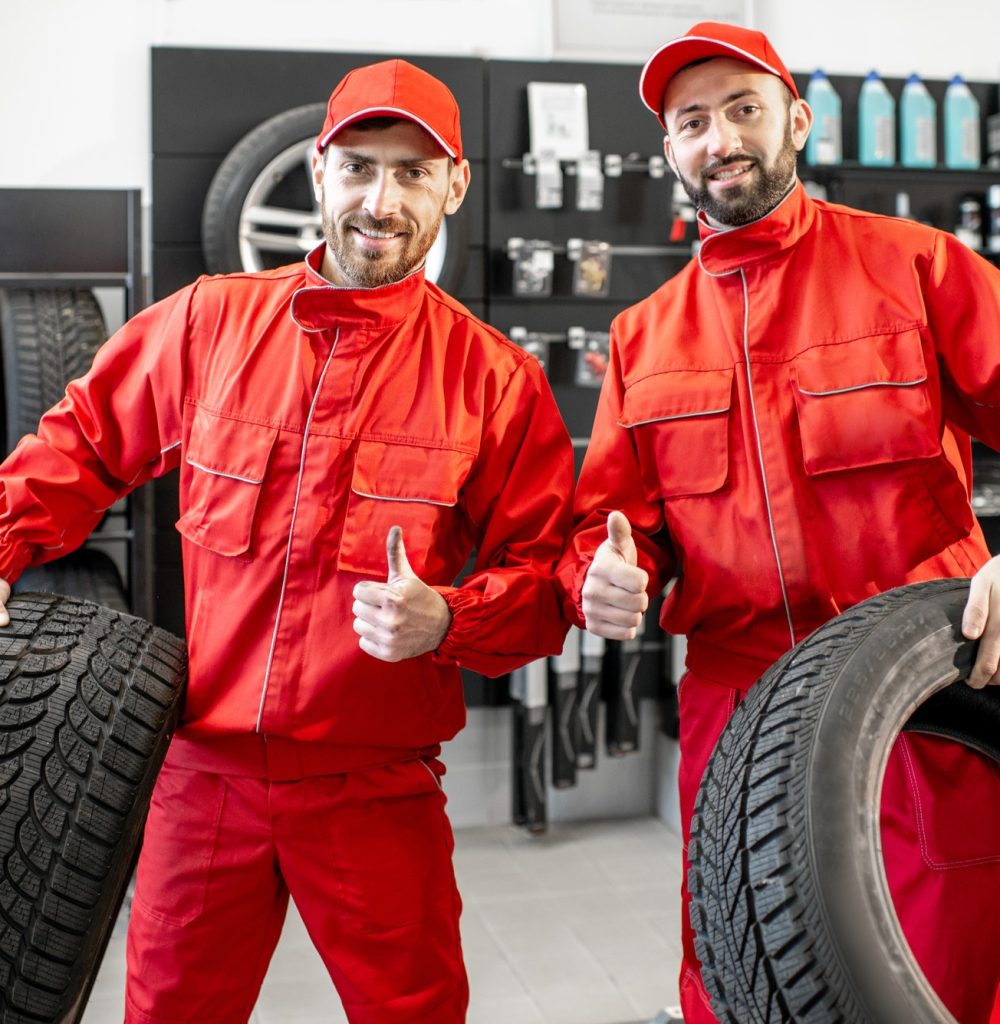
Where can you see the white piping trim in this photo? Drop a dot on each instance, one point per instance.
(422, 501)
(679, 416)
(291, 532)
(760, 455)
(865, 387)
(170, 447)
(359, 115)
(228, 476)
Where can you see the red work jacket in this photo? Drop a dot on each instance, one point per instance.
(306, 420)
(786, 422)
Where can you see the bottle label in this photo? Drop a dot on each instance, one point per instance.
(925, 148)
(970, 141)
(885, 138)
(828, 145)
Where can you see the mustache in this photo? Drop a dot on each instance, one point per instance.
(389, 224)
(733, 158)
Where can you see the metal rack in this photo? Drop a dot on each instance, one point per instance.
(86, 238)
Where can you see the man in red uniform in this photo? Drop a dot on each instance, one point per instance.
(312, 411)
(784, 430)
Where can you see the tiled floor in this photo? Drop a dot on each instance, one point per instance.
(578, 926)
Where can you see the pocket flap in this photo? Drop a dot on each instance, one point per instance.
(231, 448)
(406, 472)
(884, 360)
(677, 394)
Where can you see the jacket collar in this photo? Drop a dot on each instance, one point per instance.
(726, 250)
(320, 305)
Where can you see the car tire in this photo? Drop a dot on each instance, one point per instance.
(789, 899)
(85, 573)
(88, 700)
(49, 337)
(260, 211)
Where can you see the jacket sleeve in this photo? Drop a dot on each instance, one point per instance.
(505, 612)
(611, 480)
(962, 296)
(115, 428)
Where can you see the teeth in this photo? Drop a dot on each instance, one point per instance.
(377, 234)
(726, 175)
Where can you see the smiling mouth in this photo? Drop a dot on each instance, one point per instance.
(371, 233)
(729, 173)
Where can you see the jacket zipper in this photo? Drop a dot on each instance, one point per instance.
(291, 531)
(760, 455)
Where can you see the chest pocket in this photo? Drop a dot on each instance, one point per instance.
(405, 485)
(227, 461)
(865, 403)
(680, 422)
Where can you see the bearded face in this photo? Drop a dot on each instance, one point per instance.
(383, 191)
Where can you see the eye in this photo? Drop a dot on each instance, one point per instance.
(691, 125)
(749, 109)
(415, 173)
(353, 167)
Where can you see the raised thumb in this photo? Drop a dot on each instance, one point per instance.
(619, 532)
(395, 554)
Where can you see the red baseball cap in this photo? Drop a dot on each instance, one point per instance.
(708, 39)
(394, 88)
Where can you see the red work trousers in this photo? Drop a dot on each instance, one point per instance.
(365, 855)
(940, 824)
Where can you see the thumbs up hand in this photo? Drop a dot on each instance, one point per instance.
(614, 591)
(403, 617)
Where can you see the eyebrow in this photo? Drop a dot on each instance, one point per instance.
(357, 156)
(731, 98)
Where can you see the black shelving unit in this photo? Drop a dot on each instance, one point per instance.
(86, 238)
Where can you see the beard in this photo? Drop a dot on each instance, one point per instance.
(370, 268)
(751, 201)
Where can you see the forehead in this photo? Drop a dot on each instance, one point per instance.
(403, 140)
(708, 84)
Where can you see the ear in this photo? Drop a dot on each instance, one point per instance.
(458, 185)
(318, 169)
(669, 154)
(801, 121)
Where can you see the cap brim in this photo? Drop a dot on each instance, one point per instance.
(361, 115)
(672, 56)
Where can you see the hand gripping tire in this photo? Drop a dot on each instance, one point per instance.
(789, 899)
(88, 699)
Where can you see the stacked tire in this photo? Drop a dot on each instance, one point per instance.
(48, 337)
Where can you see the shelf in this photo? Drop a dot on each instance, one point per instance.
(853, 169)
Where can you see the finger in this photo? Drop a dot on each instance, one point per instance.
(4, 598)
(977, 608)
(609, 630)
(629, 578)
(619, 532)
(395, 553)
(612, 615)
(606, 596)
(370, 647)
(366, 629)
(987, 657)
(372, 594)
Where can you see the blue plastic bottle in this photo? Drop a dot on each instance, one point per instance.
(876, 123)
(825, 142)
(961, 125)
(918, 125)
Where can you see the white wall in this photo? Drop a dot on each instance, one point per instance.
(74, 77)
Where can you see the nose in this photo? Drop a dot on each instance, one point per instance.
(382, 197)
(723, 137)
